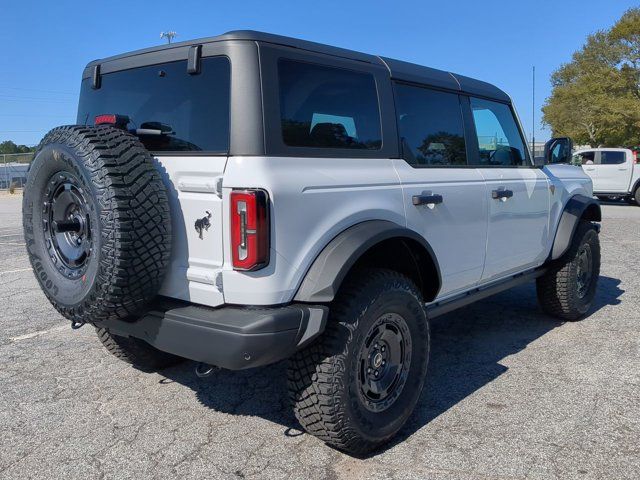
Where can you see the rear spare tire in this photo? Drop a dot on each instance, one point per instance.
(96, 223)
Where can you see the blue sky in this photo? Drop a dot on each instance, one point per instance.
(44, 45)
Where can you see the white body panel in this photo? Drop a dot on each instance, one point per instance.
(456, 229)
(476, 239)
(619, 178)
(196, 263)
(566, 181)
(312, 200)
(518, 233)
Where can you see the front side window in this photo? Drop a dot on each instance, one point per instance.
(611, 158)
(499, 139)
(584, 158)
(431, 127)
(188, 112)
(327, 107)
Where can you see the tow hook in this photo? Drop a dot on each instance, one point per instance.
(204, 370)
(76, 324)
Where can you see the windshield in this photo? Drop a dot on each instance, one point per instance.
(168, 108)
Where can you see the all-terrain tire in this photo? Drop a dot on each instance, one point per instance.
(324, 378)
(136, 352)
(636, 196)
(562, 291)
(120, 210)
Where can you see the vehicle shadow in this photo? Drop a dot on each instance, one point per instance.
(466, 349)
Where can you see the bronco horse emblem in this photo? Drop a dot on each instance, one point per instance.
(203, 224)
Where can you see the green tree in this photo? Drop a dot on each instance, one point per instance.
(596, 97)
(10, 147)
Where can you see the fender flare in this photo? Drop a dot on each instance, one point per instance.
(577, 207)
(328, 270)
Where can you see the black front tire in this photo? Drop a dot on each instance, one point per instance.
(136, 352)
(636, 196)
(567, 290)
(331, 386)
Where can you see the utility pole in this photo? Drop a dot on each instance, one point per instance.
(533, 114)
(168, 35)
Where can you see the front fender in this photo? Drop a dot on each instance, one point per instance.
(578, 207)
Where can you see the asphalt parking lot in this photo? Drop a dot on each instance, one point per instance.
(510, 393)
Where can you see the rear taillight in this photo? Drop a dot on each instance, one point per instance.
(249, 229)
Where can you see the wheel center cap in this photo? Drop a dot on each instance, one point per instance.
(377, 360)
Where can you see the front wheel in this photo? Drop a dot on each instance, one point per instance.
(636, 196)
(567, 290)
(357, 385)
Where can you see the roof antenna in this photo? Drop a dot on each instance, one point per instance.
(170, 35)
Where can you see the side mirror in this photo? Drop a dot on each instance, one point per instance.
(558, 150)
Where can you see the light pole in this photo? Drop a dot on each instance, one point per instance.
(168, 35)
(533, 114)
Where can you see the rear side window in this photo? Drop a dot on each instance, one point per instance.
(191, 111)
(499, 139)
(326, 107)
(431, 127)
(611, 158)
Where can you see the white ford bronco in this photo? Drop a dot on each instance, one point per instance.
(615, 172)
(249, 198)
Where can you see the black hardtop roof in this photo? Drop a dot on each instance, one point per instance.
(399, 70)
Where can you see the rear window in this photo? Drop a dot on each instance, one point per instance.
(191, 111)
(327, 107)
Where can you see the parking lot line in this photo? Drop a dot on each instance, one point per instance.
(38, 333)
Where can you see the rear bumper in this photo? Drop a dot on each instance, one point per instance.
(229, 337)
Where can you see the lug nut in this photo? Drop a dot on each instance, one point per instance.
(384, 362)
(369, 370)
(383, 348)
(376, 373)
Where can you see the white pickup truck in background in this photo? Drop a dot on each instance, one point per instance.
(615, 172)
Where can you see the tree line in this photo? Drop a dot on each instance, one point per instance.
(596, 96)
(10, 147)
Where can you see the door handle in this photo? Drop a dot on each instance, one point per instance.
(427, 198)
(590, 169)
(501, 194)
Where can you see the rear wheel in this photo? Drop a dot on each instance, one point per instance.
(356, 385)
(136, 352)
(567, 290)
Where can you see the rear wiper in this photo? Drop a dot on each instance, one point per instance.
(154, 128)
